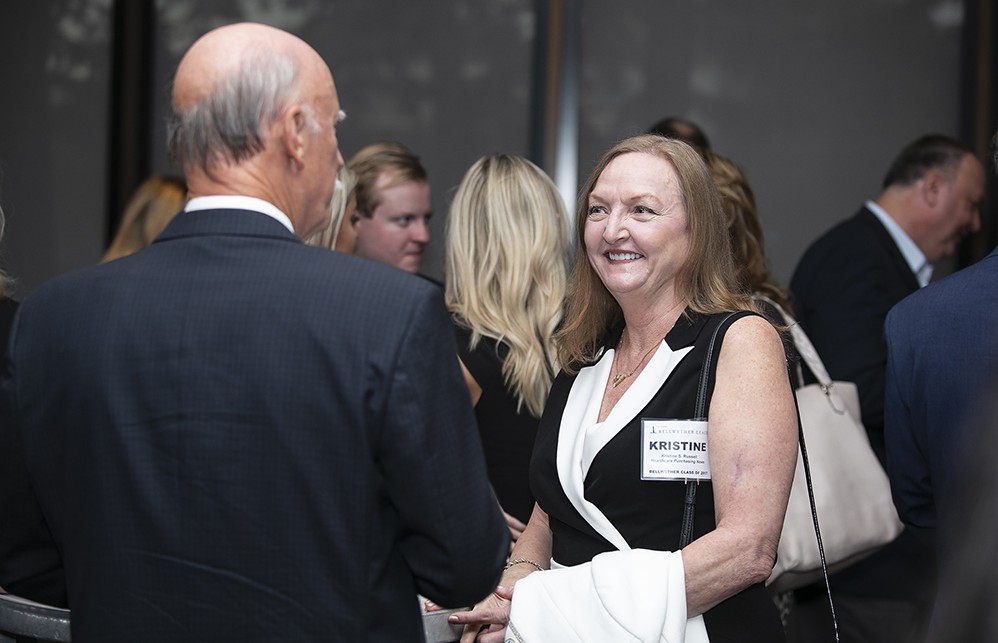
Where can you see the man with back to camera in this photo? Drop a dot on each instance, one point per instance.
(843, 287)
(232, 436)
(393, 205)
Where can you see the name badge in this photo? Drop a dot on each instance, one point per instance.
(674, 450)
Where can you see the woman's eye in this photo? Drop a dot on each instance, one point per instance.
(640, 209)
(596, 211)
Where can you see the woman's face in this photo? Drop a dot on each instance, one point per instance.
(346, 238)
(636, 231)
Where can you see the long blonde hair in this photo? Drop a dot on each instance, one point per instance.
(153, 204)
(507, 243)
(706, 281)
(346, 185)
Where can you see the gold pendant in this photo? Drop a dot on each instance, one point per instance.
(617, 379)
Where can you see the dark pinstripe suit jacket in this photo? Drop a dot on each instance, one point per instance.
(233, 436)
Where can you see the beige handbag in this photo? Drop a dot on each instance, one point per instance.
(852, 496)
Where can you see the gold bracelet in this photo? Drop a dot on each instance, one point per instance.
(522, 560)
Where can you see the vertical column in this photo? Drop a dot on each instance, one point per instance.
(555, 119)
(131, 90)
(979, 114)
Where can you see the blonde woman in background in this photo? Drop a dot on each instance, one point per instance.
(340, 234)
(506, 258)
(153, 204)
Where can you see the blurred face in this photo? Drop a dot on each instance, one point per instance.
(958, 211)
(346, 238)
(397, 231)
(636, 231)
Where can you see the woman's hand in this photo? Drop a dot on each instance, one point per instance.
(487, 621)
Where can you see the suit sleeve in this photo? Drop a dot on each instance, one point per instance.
(30, 563)
(455, 539)
(907, 467)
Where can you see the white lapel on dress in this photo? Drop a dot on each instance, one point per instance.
(580, 437)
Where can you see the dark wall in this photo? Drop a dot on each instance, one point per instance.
(812, 100)
(53, 124)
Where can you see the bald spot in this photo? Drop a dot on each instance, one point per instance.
(217, 55)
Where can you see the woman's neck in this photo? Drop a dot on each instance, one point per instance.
(648, 325)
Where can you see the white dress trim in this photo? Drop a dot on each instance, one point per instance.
(581, 437)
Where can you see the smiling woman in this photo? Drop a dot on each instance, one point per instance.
(653, 310)
(636, 231)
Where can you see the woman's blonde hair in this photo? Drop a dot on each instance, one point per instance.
(706, 281)
(346, 184)
(153, 204)
(744, 228)
(507, 245)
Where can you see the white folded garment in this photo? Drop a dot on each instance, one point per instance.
(622, 596)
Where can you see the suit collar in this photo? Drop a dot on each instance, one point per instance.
(912, 254)
(239, 202)
(225, 222)
(868, 219)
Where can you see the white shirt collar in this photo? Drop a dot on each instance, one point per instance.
(238, 202)
(912, 255)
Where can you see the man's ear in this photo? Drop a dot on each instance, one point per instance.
(932, 185)
(294, 126)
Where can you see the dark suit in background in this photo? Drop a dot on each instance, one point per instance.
(843, 288)
(234, 436)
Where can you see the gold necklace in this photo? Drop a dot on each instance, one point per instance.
(620, 376)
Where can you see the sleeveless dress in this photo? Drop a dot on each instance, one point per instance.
(507, 434)
(647, 514)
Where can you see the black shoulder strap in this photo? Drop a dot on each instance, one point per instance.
(689, 504)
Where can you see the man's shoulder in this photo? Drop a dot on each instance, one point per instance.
(857, 230)
(375, 293)
(850, 246)
(960, 292)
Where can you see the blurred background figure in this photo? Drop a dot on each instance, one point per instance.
(745, 230)
(340, 234)
(157, 200)
(843, 287)
(7, 305)
(506, 257)
(683, 130)
(393, 205)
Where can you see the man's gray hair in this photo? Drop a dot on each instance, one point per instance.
(226, 125)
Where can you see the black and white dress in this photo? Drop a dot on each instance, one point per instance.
(586, 474)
